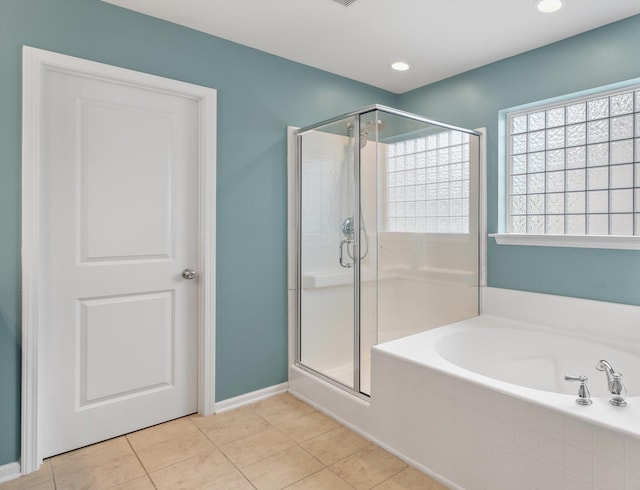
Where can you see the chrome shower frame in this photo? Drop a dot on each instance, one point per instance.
(357, 221)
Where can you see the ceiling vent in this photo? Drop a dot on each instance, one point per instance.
(346, 3)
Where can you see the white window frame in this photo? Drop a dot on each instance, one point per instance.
(504, 237)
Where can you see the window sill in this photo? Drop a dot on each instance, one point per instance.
(572, 241)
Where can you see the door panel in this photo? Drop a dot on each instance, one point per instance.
(120, 190)
(109, 369)
(136, 147)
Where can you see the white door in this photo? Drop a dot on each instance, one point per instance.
(118, 328)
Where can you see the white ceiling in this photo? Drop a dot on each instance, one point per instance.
(439, 38)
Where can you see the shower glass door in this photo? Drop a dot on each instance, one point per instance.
(328, 244)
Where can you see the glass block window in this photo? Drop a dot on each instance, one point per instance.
(427, 184)
(574, 169)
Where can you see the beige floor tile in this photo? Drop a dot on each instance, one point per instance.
(368, 467)
(41, 477)
(174, 450)
(335, 445)
(232, 481)
(102, 465)
(410, 479)
(161, 433)
(230, 426)
(48, 485)
(91, 455)
(193, 472)
(218, 419)
(142, 483)
(322, 480)
(308, 426)
(282, 408)
(282, 469)
(255, 447)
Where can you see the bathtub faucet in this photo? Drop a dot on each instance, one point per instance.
(617, 389)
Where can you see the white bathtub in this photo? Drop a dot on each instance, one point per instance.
(529, 363)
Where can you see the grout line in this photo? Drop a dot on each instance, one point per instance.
(140, 461)
(53, 475)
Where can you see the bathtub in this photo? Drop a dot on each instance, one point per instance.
(485, 407)
(529, 362)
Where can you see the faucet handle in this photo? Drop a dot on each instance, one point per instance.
(584, 397)
(617, 390)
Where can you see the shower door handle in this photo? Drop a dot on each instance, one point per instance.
(342, 263)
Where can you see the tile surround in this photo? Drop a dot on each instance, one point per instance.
(499, 442)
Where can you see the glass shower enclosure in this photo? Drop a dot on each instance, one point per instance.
(387, 236)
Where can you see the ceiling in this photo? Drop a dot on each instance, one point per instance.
(439, 38)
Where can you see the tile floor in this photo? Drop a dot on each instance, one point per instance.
(280, 442)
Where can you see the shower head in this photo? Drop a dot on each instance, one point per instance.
(371, 125)
(364, 130)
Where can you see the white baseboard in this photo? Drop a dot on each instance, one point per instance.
(247, 398)
(9, 471)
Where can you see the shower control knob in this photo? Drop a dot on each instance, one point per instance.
(189, 274)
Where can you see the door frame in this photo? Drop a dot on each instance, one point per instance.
(35, 63)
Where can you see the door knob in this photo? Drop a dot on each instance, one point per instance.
(189, 274)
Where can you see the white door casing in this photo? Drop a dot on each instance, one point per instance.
(114, 339)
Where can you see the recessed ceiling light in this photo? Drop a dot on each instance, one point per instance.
(400, 66)
(549, 6)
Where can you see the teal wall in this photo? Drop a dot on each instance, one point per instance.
(473, 99)
(258, 96)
